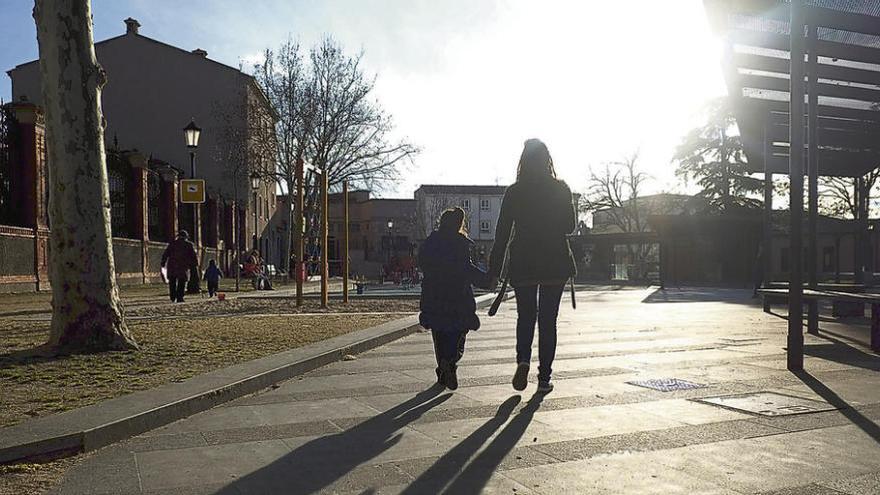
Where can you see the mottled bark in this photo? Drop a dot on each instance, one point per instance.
(87, 315)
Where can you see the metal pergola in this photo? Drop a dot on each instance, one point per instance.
(807, 104)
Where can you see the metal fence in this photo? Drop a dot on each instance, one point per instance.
(8, 208)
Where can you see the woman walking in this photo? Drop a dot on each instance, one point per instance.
(538, 213)
(447, 303)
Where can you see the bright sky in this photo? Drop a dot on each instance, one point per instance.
(469, 80)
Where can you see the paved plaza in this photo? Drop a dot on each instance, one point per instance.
(375, 424)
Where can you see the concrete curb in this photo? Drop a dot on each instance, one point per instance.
(92, 427)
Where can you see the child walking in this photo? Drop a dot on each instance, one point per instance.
(447, 302)
(213, 276)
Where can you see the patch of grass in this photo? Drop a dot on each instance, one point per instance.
(173, 349)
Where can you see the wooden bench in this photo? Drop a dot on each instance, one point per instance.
(856, 299)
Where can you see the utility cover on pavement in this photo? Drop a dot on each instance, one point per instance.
(768, 404)
(666, 384)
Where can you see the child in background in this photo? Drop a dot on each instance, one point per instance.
(213, 276)
(447, 305)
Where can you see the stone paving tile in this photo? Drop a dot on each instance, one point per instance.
(267, 414)
(119, 474)
(271, 432)
(614, 474)
(811, 489)
(867, 484)
(165, 442)
(670, 438)
(779, 461)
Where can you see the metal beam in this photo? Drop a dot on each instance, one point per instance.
(830, 49)
(824, 89)
(795, 351)
(826, 71)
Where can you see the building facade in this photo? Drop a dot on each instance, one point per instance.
(153, 90)
(481, 203)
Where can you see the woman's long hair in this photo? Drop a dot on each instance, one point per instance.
(452, 220)
(535, 161)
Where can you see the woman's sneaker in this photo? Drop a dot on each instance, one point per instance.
(545, 387)
(450, 379)
(521, 376)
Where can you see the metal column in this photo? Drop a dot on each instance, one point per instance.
(813, 172)
(767, 247)
(796, 192)
(299, 225)
(325, 248)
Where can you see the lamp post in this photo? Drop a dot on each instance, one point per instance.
(255, 185)
(390, 240)
(191, 134)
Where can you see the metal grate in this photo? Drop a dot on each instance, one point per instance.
(768, 404)
(666, 384)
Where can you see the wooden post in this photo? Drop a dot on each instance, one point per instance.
(795, 354)
(325, 251)
(813, 173)
(345, 242)
(298, 230)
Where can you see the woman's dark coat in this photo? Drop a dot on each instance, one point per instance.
(179, 257)
(541, 214)
(447, 302)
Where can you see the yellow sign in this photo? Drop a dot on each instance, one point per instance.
(192, 191)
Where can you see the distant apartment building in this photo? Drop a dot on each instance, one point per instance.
(153, 90)
(379, 230)
(481, 203)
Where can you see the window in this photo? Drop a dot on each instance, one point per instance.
(484, 204)
(484, 226)
(466, 204)
(828, 259)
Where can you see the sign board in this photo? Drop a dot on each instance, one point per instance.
(192, 191)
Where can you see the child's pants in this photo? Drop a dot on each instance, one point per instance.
(212, 287)
(448, 346)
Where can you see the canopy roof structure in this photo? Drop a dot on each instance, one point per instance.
(846, 40)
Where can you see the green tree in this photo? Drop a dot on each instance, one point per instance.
(712, 156)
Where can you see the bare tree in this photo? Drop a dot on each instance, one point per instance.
(352, 132)
(614, 193)
(837, 194)
(285, 80)
(87, 313)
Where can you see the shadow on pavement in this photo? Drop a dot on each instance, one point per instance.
(858, 419)
(839, 351)
(319, 463)
(450, 475)
(701, 294)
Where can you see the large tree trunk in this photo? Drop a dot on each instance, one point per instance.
(87, 313)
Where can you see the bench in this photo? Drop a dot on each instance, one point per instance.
(839, 308)
(858, 300)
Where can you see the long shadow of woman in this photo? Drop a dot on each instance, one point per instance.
(321, 462)
(447, 471)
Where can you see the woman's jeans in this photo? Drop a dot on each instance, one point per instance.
(541, 304)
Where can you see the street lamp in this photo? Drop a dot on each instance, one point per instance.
(191, 134)
(255, 185)
(390, 238)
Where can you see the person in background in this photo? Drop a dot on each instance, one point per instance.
(447, 301)
(213, 276)
(178, 258)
